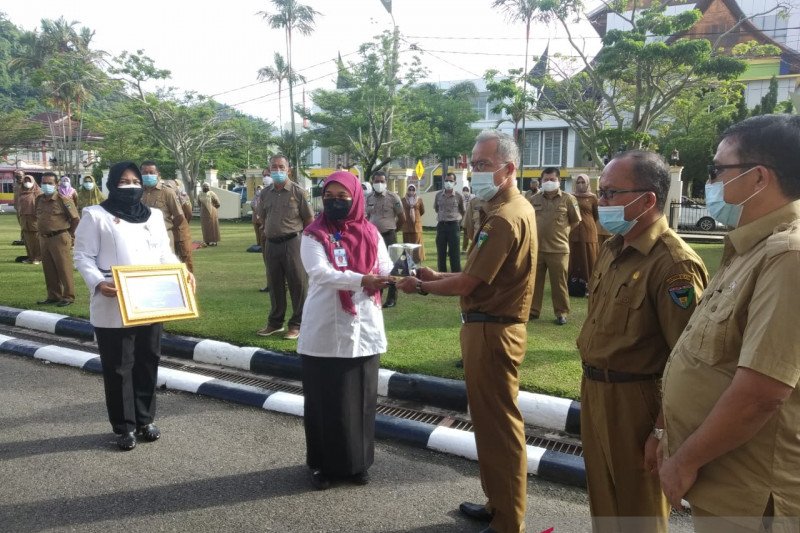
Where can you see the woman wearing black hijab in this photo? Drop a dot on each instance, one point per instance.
(123, 231)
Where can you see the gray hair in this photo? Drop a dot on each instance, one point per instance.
(651, 172)
(507, 149)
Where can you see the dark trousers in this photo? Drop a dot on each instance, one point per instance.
(285, 268)
(389, 238)
(130, 368)
(447, 240)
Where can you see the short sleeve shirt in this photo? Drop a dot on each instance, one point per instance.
(503, 257)
(383, 210)
(449, 207)
(554, 216)
(746, 318)
(55, 213)
(164, 199)
(640, 299)
(283, 211)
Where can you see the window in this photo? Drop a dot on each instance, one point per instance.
(480, 105)
(543, 148)
(532, 145)
(551, 149)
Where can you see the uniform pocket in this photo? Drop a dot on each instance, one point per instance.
(623, 312)
(714, 323)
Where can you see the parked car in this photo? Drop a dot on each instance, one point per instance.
(695, 215)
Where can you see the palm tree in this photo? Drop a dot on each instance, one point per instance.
(280, 72)
(521, 10)
(291, 16)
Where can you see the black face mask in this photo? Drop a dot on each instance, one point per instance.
(336, 208)
(127, 197)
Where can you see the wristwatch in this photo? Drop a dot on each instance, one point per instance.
(419, 288)
(658, 433)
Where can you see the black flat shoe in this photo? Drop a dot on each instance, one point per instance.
(362, 478)
(47, 302)
(64, 303)
(127, 441)
(149, 432)
(390, 303)
(475, 511)
(319, 480)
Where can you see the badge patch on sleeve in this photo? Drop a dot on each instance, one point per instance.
(682, 294)
(482, 238)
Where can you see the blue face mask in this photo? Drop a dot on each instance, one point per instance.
(728, 214)
(279, 176)
(612, 217)
(48, 189)
(149, 180)
(88, 185)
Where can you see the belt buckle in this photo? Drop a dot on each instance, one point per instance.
(463, 318)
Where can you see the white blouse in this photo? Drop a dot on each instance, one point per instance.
(328, 330)
(103, 241)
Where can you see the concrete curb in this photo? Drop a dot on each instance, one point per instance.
(538, 410)
(547, 464)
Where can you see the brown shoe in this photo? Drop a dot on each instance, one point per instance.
(269, 330)
(292, 334)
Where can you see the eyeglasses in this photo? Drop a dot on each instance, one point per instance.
(608, 194)
(714, 170)
(483, 166)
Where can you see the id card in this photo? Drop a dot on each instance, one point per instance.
(340, 257)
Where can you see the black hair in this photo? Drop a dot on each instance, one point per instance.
(48, 174)
(280, 156)
(378, 173)
(149, 163)
(651, 172)
(451, 174)
(551, 170)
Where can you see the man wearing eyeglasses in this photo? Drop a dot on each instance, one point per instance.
(731, 402)
(642, 292)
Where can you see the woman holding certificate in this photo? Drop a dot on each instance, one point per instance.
(342, 335)
(123, 231)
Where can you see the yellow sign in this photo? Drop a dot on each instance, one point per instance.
(419, 169)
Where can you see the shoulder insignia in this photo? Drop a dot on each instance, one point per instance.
(681, 291)
(483, 236)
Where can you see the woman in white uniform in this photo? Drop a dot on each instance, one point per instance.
(123, 231)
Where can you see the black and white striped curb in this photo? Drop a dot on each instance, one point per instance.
(547, 464)
(540, 410)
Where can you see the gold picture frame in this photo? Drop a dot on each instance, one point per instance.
(154, 293)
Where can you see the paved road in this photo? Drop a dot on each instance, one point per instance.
(218, 467)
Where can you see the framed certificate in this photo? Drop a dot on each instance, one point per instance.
(153, 293)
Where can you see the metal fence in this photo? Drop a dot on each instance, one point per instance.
(692, 215)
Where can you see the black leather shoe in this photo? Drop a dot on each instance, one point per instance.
(390, 303)
(319, 480)
(47, 302)
(149, 432)
(64, 303)
(127, 441)
(475, 511)
(264, 289)
(460, 363)
(362, 478)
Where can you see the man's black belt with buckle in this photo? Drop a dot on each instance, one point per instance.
(483, 317)
(54, 233)
(612, 376)
(282, 238)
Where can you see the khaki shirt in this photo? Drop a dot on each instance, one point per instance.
(385, 211)
(747, 318)
(503, 257)
(472, 218)
(554, 216)
(640, 299)
(163, 198)
(448, 207)
(283, 211)
(412, 225)
(182, 232)
(55, 213)
(529, 194)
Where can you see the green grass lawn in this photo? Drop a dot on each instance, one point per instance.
(423, 331)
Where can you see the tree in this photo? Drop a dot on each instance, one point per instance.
(769, 102)
(17, 131)
(279, 73)
(16, 91)
(291, 16)
(511, 100)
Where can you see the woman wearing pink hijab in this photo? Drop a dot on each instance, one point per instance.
(66, 191)
(342, 335)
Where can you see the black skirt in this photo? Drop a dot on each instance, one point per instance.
(339, 419)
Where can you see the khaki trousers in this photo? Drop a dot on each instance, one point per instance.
(558, 265)
(492, 354)
(57, 265)
(30, 234)
(284, 267)
(616, 420)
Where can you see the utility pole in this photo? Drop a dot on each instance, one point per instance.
(392, 74)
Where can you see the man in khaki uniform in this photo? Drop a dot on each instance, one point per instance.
(533, 188)
(25, 206)
(731, 399)
(18, 175)
(162, 198)
(284, 212)
(385, 211)
(556, 214)
(57, 217)
(181, 232)
(642, 292)
(496, 290)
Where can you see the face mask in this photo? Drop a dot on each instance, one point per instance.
(28, 185)
(127, 195)
(267, 181)
(550, 186)
(728, 214)
(88, 185)
(483, 185)
(48, 189)
(336, 208)
(279, 176)
(448, 185)
(379, 188)
(612, 217)
(149, 180)
(205, 189)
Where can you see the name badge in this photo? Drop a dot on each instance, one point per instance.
(340, 257)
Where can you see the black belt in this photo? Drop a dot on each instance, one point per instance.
(612, 376)
(483, 317)
(282, 238)
(54, 233)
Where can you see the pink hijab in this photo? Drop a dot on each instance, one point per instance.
(355, 234)
(65, 187)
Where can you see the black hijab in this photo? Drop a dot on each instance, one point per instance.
(133, 212)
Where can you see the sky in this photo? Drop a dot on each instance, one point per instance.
(217, 51)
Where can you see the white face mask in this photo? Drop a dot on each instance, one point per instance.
(130, 186)
(449, 185)
(379, 188)
(267, 180)
(550, 186)
(27, 185)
